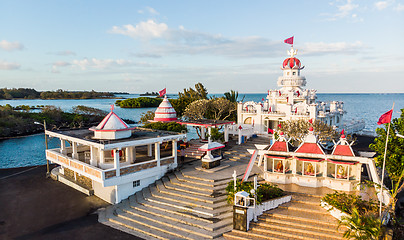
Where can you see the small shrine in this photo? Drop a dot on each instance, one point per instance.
(165, 112)
(112, 127)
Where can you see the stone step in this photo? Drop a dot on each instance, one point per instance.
(199, 208)
(303, 217)
(266, 227)
(304, 208)
(238, 235)
(170, 189)
(218, 185)
(220, 181)
(214, 224)
(179, 232)
(297, 226)
(154, 233)
(200, 188)
(170, 223)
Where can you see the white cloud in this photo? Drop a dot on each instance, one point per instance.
(8, 66)
(399, 7)
(343, 11)
(381, 5)
(152, 11)
(61, 64)
(65, 53)
(332, 48)
(10, 46)
(142, 30)
(100, 63)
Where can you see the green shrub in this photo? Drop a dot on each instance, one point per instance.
(140, 102)
(166, 126)
(265, 191)
(346, 202)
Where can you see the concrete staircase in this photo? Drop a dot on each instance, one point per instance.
(302, 218)
(178, 206)
(193, 152)
(239, 153)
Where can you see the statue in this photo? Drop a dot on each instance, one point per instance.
(279, 167)
(310, 169)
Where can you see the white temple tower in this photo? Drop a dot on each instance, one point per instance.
(165, 112)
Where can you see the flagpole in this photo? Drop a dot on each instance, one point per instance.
(384, 164)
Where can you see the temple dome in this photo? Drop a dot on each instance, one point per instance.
(165, 112)
(112, 127)
(291, 62)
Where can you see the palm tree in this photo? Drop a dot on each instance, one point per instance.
(361, 226)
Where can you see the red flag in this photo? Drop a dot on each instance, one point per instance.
(163, 92)
(270, 109)
(298, 93)
(385, 118)
(295, 110)
(263, 99)
(270, 131)
(342, 132)
(279, 125)
(289, 40)
(280, 93)
(311, 120)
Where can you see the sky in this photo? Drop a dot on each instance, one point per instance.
(347, 46)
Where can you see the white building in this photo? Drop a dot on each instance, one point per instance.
(116, 161)
(291, 102)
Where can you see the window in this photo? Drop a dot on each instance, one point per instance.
(294, 73)
(136, 183)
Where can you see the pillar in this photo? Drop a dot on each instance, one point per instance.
(209, 132)
(102, 156)
(226, 133)
(149, 150)
(133, 154)
(93, 158)
(203, 132)
(128, 154)
(175, 151)
(157, 153)
(117, 164)
(63, 149)
(75, 155)
(239, 136)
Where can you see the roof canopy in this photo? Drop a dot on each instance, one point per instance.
(206, 122)
(211, 146)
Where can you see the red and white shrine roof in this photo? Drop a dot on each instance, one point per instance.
(342, 148)
(165, 112)
(112, 123)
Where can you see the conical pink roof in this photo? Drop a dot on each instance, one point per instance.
(165, 112)
(112, 123)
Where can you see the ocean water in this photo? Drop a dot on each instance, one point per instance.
(30, 150)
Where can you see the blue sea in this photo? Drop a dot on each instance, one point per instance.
(30, 150)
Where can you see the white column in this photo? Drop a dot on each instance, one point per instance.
(226, 133)
(128, 154)
(133, 154)
(75, 155)
(149, 150)
(117, 198)
(93, 158)
(175, 151)
(239, 136)
(63, 149)
(157, 153)
(265, 163)
(209, 132)
(203, 132)
(102, 156)
(117, 164)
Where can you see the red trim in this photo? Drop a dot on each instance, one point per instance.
(165, 107)
(165, 119)
(248, 170)
(341, 162)
(309, 160)
(111, 130)
(105, 120)
(277, 157)
(205, 125)
(210, 149)
(165, 112)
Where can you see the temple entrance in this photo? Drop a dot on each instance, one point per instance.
(270, 124)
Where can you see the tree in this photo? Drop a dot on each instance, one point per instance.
(197, 109)
(145, 117)
(298, 129)
(361, 226)
(221, 108)
(394, 158)
(232, 96)
(200, 92)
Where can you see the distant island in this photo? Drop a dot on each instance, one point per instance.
(30, 93)
(154, 94)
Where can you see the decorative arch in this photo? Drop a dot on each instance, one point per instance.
(248, 120)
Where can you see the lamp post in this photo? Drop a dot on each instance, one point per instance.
(46, 146)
